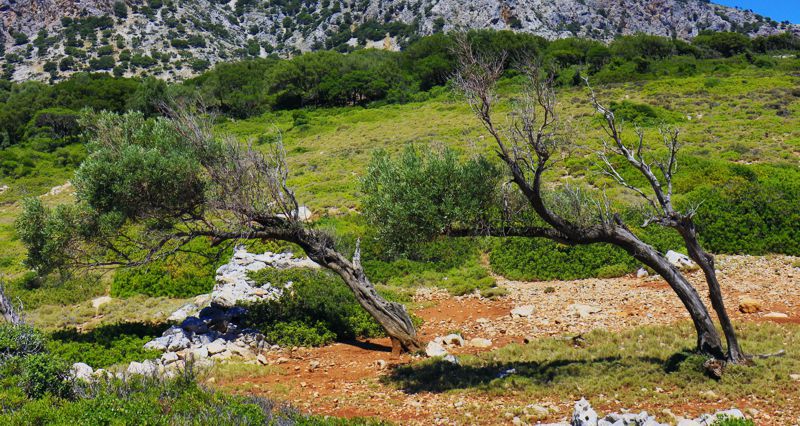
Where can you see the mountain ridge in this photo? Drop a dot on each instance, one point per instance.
(175, 39)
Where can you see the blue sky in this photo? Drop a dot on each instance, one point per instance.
(779, 10)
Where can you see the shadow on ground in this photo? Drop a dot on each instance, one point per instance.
(441, 376)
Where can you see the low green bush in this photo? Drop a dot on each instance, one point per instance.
(541, 260)
(105, 345)
(732, 421)
(185, 274)
(45, 374)
(19, 340)
(318, 309)
(157, 402)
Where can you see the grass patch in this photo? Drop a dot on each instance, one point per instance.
(623, 368)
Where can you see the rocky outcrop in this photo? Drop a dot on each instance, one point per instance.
(234, 285)
(209, 328)
(216, 31)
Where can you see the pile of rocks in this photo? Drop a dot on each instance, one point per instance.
(233, 284)
(214, 331)
(439, 346)
(584, 415)
(209, 327)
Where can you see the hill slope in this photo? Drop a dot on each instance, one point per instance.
(177, 38)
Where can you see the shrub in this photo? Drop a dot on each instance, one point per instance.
(45, 374)
(105, 345)
(318, 309)
(19, 340)
(182, 275)
(538, 259)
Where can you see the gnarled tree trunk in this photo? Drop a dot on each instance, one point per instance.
(705, 260)
(392, 316)
(708, 339)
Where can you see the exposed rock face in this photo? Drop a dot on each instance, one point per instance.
(214, 332)
(216, 31)
(234, 286)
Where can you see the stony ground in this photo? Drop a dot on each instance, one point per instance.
(344, 379)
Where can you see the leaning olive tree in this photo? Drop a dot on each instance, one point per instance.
(529, 143)
(528, 146)
(151, 186)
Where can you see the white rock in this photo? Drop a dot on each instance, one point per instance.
(435, 349)
(81, 371)
(641, 273)
(584, 415)
(262, 359)
(680, 260)
(583, 311)
(795, 377)
(451, 359)
(199, 353)
(537, 410)
(776, 315)
(451, 340)
(169, 358)
(522, 311)
(479, 342)
(216, 346)
(146, 368)
(256, 266)
(183, 312)
(100, 301)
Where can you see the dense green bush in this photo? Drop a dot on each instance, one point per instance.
(154, 402)
(540, 259)
(45, 374)
(424, 194)
(105, 345)
(318, 309)
(19, 340)
(756, 211)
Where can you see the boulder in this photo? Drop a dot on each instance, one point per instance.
(479, 342)
(178, 341)
(642, 273)
(451, 340)
(146, 368)
(748, 305)
(583, 414)
(81, 371)
(194, 325)
(776, 315)
(183, 312)
(681, 261)
(451, 359)
(435, 349)
(522, 311)
(169, 358)
(217, 346)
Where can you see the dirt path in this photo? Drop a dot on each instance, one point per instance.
(345, 379)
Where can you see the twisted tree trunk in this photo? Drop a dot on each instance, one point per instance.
(392, 316)
(705, 260)
(708, 339)
(7, 310)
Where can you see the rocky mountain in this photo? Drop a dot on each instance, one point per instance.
(175, 39)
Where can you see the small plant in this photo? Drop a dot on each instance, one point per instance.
(732, 421)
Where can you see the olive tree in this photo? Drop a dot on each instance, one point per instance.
(529, 143)
(151, 186)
